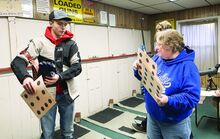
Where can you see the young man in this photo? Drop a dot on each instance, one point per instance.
(57, 52)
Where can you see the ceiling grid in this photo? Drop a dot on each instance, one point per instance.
(159, 6)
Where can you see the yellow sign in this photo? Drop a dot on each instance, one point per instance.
(73, 8)
(89, 15)
(171, 20)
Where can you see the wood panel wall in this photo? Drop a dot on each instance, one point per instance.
(189, 13)
(124, 18)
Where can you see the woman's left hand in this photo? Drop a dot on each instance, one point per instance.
(162, 101)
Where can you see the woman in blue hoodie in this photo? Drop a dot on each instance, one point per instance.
(169, 117)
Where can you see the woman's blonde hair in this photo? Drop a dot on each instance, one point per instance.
(172, 39)
(163, 26)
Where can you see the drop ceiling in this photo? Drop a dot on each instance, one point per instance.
(159, 6)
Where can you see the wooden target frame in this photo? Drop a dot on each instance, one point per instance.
(148, 73)
(40, 102)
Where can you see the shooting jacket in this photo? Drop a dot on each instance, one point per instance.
(65, 55)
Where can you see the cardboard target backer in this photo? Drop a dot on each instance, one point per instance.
(40, 102)
(148, 73)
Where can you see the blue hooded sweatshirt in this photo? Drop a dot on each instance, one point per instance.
(181, 80)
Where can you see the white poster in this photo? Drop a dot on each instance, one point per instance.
(43, 6)
(103, 17)
(27, 8)
(112, 20)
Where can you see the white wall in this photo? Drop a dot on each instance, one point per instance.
(92, 40)
(4, 49)
(101, 81)
(98, 82)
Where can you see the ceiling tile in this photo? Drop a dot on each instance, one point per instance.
(192, 3)
(150, 2)
(214, 1)
(168, 7)
(122, 3)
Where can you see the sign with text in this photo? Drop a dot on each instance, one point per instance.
(89, 15)
(73, 9)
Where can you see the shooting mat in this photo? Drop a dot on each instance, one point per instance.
(133, 103)
(82, 132)
(121, 123)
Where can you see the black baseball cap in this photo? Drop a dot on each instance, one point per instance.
(59, 15)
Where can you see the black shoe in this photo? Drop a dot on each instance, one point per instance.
(191, 135)
(138, 128)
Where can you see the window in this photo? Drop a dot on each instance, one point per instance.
(202, 37)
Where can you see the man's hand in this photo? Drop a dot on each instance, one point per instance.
(29, 86)
(51, 80)
(162, 101)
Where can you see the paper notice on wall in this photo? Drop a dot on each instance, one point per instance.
(103, 17)
(43, 6)
(112, 20)
(10, 8)
(27, 8)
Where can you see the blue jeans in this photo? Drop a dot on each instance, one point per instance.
(158, 130)
(65, 110)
